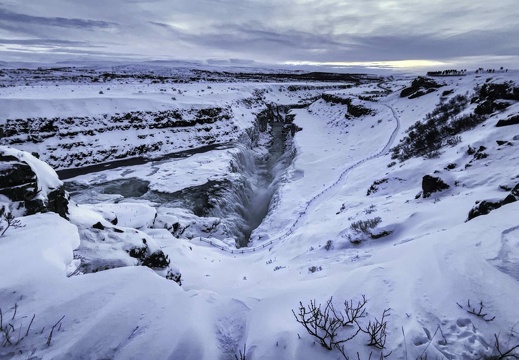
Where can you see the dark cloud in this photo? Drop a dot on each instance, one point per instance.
(10, 16)
(41, 42)
(435, 47)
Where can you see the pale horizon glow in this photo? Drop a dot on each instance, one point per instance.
(397, 64)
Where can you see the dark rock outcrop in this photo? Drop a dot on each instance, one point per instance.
(479, 154)
(58, 202)
(353, 110)
(486, 206)
(483, 207)
(451, 166)
(512, 120)
(419, 87)
(21, 184)
(431, 184)
(98, 226)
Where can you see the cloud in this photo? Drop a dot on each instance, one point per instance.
(41, 42)
(25, 19)
(272, 30)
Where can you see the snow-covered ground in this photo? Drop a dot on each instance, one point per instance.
(433, 270)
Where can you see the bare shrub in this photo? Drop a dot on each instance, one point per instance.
(377, 331)
(329, 245)
(13, 331)
(10, 222)
(314, 268)
(324, 323)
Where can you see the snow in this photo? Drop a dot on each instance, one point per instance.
(47, 177)
(425, 271)
(172, 175)
(132, 215)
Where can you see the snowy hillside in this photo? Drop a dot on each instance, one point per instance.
(213, 218)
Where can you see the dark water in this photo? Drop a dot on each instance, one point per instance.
(66, 174)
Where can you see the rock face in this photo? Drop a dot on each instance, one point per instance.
(431, 184)
(137, 133)
(30, 185)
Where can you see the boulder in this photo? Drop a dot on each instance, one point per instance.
(431, 184)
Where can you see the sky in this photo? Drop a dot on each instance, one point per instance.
(394, 33)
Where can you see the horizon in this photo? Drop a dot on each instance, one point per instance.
(378, 68)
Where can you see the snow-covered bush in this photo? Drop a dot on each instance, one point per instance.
(365, 226)
(155, 260)
(374, 187)
(362, 230)
(490, 94)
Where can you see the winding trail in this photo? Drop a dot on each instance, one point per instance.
(328, 189)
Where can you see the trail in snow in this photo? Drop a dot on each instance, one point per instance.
(328, 189)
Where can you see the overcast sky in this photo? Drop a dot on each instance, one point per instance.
(441, 32)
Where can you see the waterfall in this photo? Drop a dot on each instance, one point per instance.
(245, 203)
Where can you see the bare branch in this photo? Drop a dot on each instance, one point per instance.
(49, 339)
(353, 313)
(505, 354)
(479, 313)
(377, 331)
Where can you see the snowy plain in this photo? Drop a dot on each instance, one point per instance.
(425, 271)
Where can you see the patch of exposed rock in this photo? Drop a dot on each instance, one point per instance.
(419, 87)
(486, 206)
(431, 184)
(29, 185)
